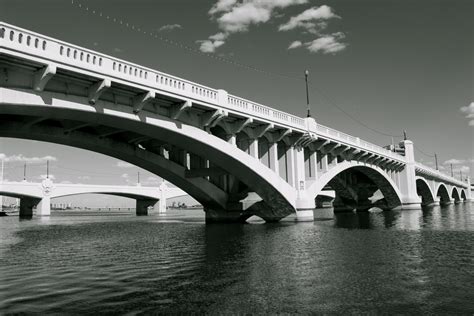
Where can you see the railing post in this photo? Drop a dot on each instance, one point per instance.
(223, 98)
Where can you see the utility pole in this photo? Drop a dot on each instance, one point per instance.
(24, 172)
(306, 73)
(460, 173)
(47, 169)
(436, 161)
(452, 174)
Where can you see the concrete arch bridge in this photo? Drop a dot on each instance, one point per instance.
(238, 158)
(39, 195)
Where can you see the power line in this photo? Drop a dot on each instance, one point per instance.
(295, 76)
(424, 153)
(168, 41)
(334, 104)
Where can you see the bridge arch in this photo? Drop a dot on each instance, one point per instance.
(275, 192)
(424, 190)
(455, 195)
(463, 195)
(376, 175)
(443, 194)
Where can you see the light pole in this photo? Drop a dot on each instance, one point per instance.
(306, 73)
(436, 161)
(452, 174)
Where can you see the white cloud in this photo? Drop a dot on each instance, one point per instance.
(222, 6)
(65, 182)
(235, 17)
(328, 44)
(21, 158)
(454, 162)
(123, 164)
(209, 46)
(295, 44)
(170, 27)
(469, 111)
(118, 50)
(310, 20)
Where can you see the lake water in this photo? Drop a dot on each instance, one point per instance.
(370, 263)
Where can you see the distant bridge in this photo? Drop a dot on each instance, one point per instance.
(39, 195)
(236, 157)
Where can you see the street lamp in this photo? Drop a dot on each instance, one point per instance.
(306, 73)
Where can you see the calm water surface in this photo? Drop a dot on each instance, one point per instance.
(389, 262)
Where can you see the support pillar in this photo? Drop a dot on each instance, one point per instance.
(26, 206)
(290, 165)
(273, 152)
(253, 147)
(44, 207)
(410, 198)
(143, 204)
(162, 202)
(304, 205)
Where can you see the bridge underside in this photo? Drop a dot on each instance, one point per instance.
(361, 188)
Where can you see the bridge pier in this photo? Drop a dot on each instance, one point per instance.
(410, 198)
(44, 207)
(223, 216)
(142, 206)
(26, 206)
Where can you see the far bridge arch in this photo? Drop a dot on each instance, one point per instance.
(355, 183)
(455, 195)
(424, 191)
(443, 194)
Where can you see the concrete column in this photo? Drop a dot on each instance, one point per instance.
(253, 147)
(26, 206)
(304, 205)
(410, 198)
(325, 164)
(273, 152)
(311, 165)
(290, 165)
(44, 207)
(143, 204)
(162, 202)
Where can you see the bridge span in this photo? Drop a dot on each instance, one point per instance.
(238, 158)
(39, 195)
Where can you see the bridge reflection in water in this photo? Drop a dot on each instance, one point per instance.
(410, 261)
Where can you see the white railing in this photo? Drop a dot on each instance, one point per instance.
(58, 52)
(439, 175)
(356, 142)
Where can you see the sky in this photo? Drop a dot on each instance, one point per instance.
(375, 67)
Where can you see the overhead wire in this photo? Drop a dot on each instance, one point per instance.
(169, 41)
